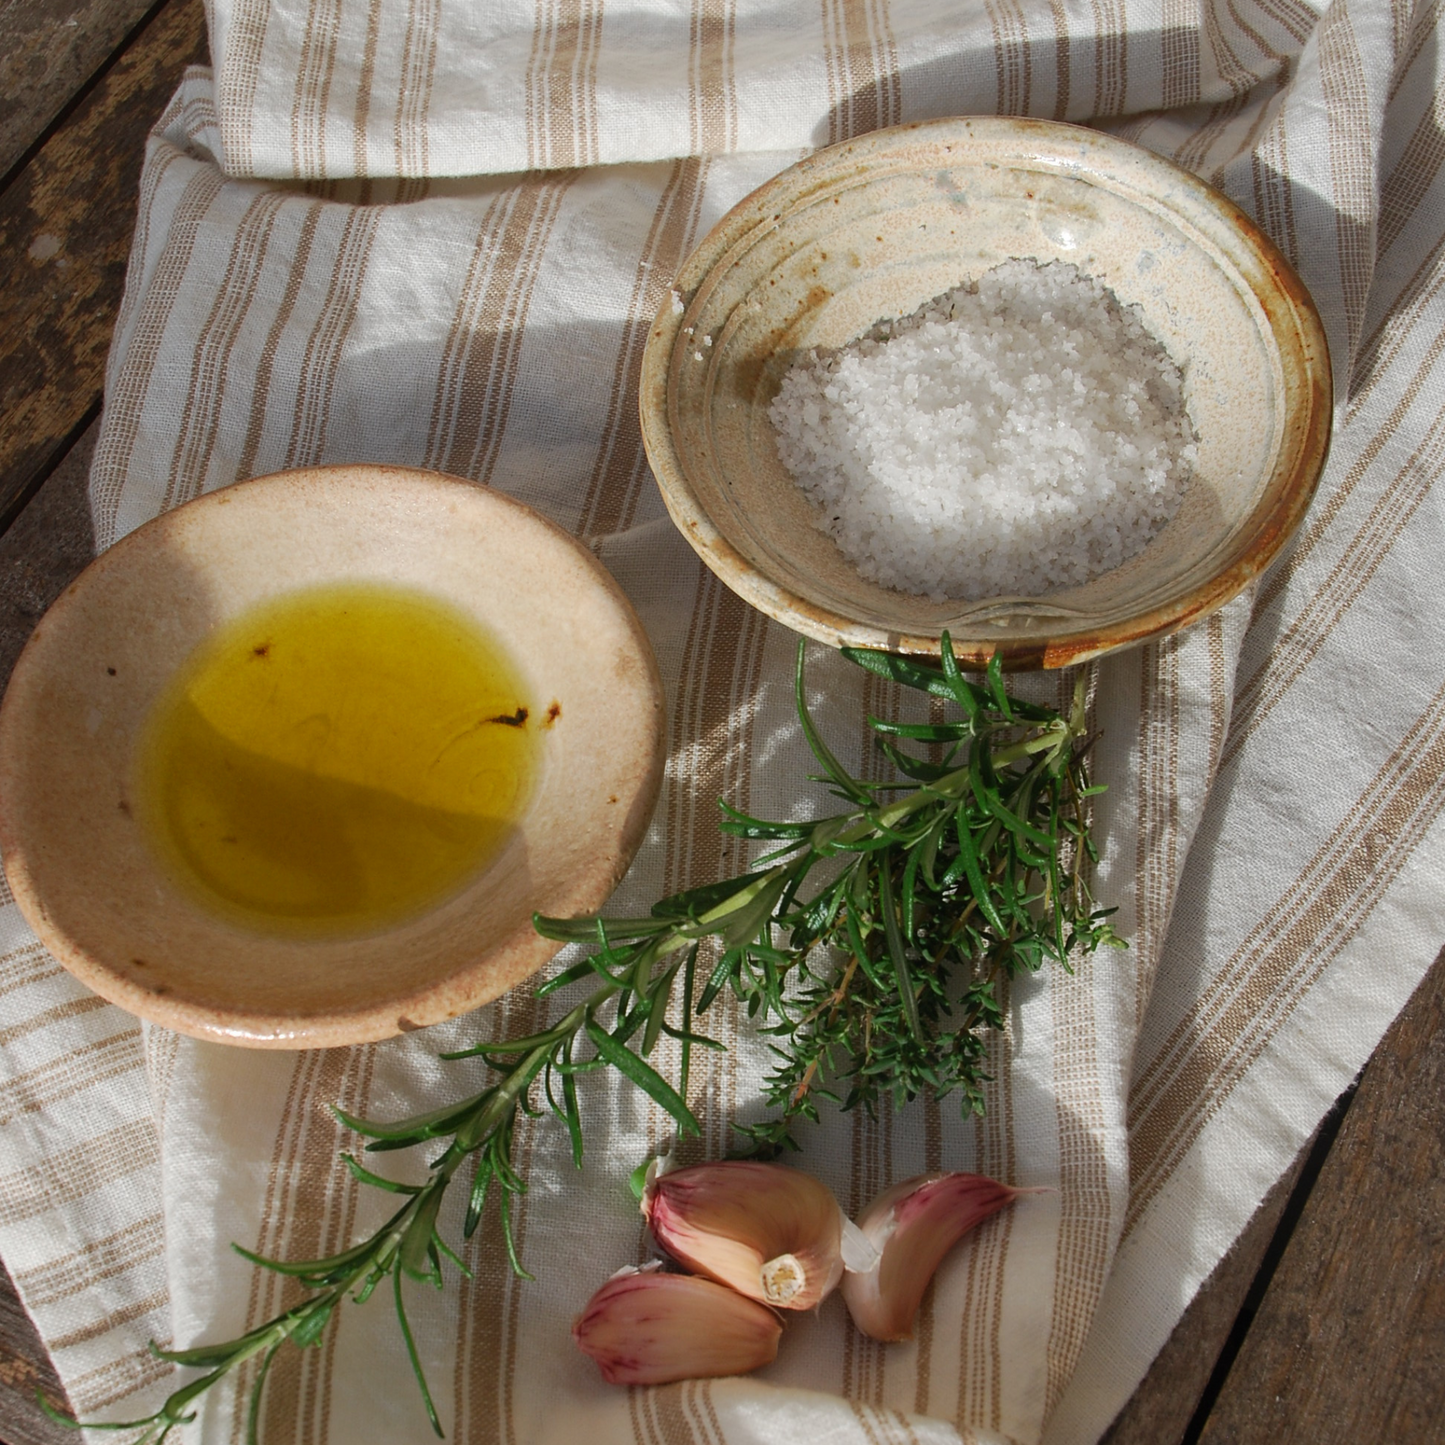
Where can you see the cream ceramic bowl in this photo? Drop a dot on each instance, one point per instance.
(871, 229)
(92, 888)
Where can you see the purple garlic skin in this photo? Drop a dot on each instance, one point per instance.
(769, 1232)
(644, 1327)
(913, 1225)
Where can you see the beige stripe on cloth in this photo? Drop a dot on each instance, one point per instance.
(1273, 835)
(352, 88)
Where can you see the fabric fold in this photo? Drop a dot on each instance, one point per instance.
(358, 89)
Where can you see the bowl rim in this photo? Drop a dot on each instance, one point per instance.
(496, 967)
(1036, 140)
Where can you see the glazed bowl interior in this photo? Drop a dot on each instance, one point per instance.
(874, 228)
(102, 897)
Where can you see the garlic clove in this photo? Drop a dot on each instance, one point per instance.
(644, 1327)
(772, 1233)
(913, 1225)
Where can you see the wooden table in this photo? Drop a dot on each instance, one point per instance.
(1326, 1322)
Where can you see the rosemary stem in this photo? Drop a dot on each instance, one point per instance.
(832, 1005)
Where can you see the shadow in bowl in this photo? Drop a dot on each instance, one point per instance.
(110, 907)
(873, 228)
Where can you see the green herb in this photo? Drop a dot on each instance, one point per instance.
(883, 979)
(869, 946)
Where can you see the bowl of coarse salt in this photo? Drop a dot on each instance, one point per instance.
(1014, 380)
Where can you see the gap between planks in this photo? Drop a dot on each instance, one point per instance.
(65, 229)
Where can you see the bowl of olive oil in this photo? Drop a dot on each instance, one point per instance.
(293, 765)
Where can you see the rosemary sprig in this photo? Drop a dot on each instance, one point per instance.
(970, 869)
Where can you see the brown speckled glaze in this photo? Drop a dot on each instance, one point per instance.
(86, 879)
(872, 228)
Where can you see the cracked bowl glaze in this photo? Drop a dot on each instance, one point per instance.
(871, 229)
(88, 881)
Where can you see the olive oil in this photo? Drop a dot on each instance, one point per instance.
(337, 760)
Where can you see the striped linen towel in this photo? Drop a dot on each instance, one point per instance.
(1275, 850)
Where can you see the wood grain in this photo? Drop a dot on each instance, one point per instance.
(45, 550)
(49, 52)
(65, 227)
(1349, 1344)
(24, 1368)
(1163, 1406)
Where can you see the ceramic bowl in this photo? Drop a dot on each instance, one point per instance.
(873, 228)
(94, 889)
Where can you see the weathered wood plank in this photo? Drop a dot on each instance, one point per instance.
(49, 49)
(24, 1368)
(1349, 1344)
(1167, 1397)
(46, 549)
(65, 227)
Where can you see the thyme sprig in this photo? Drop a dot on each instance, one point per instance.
(883, 981)
(969, 869)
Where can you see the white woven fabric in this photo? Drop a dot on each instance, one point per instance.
(1272, 825)
(358, 88)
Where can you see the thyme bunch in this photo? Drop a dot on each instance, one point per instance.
(867, 945)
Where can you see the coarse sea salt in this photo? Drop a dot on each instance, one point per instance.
(1012, 437)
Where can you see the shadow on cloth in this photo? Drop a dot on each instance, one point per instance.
(1040, 78)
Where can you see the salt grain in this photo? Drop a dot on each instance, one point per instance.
(1014, 437)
